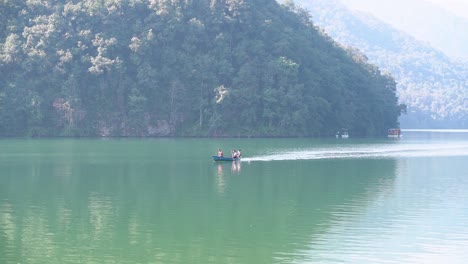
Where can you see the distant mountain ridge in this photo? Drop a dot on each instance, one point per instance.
(425, 20)
(434, 87)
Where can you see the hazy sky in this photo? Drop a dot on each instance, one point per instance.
(442, 23)
(459, 7)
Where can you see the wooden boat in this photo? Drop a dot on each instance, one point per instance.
(216, 158)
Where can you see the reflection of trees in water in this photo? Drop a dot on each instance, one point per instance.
(299, 200)
(269, 213)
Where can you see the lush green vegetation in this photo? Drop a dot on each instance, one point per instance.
(181, 68)
(433, 86)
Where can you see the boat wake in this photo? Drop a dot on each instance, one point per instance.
(369, 152)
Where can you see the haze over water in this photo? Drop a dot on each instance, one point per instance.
(288, 201)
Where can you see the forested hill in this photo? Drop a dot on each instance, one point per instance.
(433, 86)
(182, 68)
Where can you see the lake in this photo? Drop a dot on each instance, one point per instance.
(288, 200)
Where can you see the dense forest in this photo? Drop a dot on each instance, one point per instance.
(182, 68)
(433, 86)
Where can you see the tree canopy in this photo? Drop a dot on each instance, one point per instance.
(182, 68)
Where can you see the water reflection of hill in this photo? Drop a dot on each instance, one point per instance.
(270, 212)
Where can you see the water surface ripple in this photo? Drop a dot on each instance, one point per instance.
(288, 201)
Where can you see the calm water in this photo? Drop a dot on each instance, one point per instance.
(288, 201)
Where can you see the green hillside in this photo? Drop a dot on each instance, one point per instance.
(182, 68)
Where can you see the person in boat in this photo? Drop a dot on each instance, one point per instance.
(220, 153)
(239, 154)
(234, 154)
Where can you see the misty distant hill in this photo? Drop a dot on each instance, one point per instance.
(426, 21)
(434, 87)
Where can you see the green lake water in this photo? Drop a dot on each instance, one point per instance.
(287, 201)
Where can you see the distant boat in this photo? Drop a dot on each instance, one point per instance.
(217, 158)
(394, 133)
(343, 133)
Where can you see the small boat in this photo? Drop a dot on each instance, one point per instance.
(217, 158)
(394, 133)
